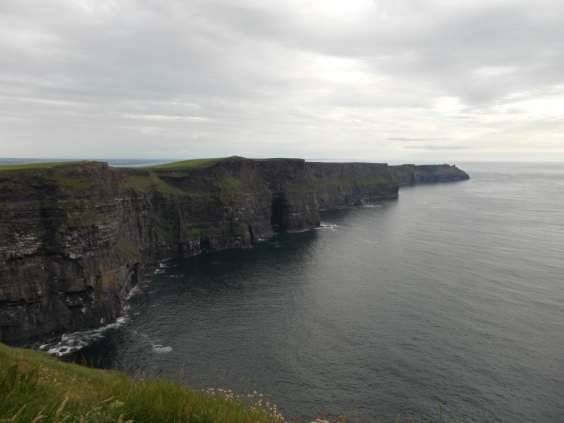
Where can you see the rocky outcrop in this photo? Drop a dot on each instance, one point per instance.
(427, 174)
(74, 238)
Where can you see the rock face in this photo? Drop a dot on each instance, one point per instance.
(74, 238)
(338, 185)
(66, 237)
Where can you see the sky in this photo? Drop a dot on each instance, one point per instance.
(395, 80)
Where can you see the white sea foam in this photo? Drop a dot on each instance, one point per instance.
(328, 226)
(155, 347)
(161, 349)
(162, 267)
(75, 341)
(133, 292)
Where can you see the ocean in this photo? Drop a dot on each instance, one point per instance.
(446, 304)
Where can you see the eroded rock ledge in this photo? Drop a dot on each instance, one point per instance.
(74, 238)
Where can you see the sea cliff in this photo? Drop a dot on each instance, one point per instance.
(74, 238)
(410, 174)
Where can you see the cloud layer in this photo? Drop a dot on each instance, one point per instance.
(356, 79)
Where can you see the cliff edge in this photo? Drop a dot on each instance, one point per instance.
(74, 237)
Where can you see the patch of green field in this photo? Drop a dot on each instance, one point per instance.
(69, 183)
(151, 182)
(37, 388)
(193, 164)
(197, 232)
(230, 188)
(38, 166)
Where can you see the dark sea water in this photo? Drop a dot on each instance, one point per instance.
(447, 302)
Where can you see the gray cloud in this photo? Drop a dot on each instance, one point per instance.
(365, 79)
(412, 139)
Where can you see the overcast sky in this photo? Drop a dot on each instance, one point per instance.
(394, 80)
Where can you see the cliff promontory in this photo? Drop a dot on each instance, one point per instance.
(74, 237)
(427, 174)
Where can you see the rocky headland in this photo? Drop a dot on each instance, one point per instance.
(75, 237)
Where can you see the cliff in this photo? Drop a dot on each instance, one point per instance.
(339, 185)
(69, 240)
(425, 174)
(74, 238)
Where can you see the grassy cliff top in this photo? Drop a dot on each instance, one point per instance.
(35, 387)
(193, 164)
(184, 164)
(44, 165)
(33, 166)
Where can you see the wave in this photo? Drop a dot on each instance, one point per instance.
(161, 349)
(75, 341)
(329, 226)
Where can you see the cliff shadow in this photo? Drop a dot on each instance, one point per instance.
(279, 214)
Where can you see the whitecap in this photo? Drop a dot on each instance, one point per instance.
(133, 292)
(329, 226)
(161, 349)
(76, 341)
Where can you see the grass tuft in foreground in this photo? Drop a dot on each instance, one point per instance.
(38, 388)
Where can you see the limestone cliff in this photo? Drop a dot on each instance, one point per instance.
(340, 185)
(74, 238)
(69, 241)
(424, 174)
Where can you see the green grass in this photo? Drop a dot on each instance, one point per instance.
(38, 388)
(51, 172)
(38, 166)
(230, 188)
(69, 183)
(197, 232)
(151, 183)
(193, 164)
